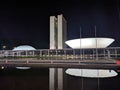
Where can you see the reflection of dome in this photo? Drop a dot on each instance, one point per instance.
(23, 68)
(89, 42)
(24, 47)
(92, 73)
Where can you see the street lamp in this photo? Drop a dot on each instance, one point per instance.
(3, 47)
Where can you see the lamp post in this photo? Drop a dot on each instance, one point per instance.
(3, 47)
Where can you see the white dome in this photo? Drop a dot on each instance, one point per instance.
(24, 47)
(89, 43)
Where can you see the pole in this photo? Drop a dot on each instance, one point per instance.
(96, 43)
(80, 44)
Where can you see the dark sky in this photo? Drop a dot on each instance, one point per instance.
(27, 22)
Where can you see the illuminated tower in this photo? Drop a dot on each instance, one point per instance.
(53, 32)
(62, 31)
(58, 34)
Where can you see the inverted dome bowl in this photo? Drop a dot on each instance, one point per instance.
(89, 43)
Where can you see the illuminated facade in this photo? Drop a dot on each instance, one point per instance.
(89, 43)
(58, 32)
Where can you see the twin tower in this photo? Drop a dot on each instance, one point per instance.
(58, 32)
(58, 36)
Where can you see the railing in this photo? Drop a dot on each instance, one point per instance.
(64, 54)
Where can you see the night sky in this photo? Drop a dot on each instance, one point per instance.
(27, 22)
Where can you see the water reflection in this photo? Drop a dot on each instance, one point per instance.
(38, 79)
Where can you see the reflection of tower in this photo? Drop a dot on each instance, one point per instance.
(58, 36)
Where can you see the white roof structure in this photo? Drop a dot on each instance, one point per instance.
(24, 47)
(89, 43)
